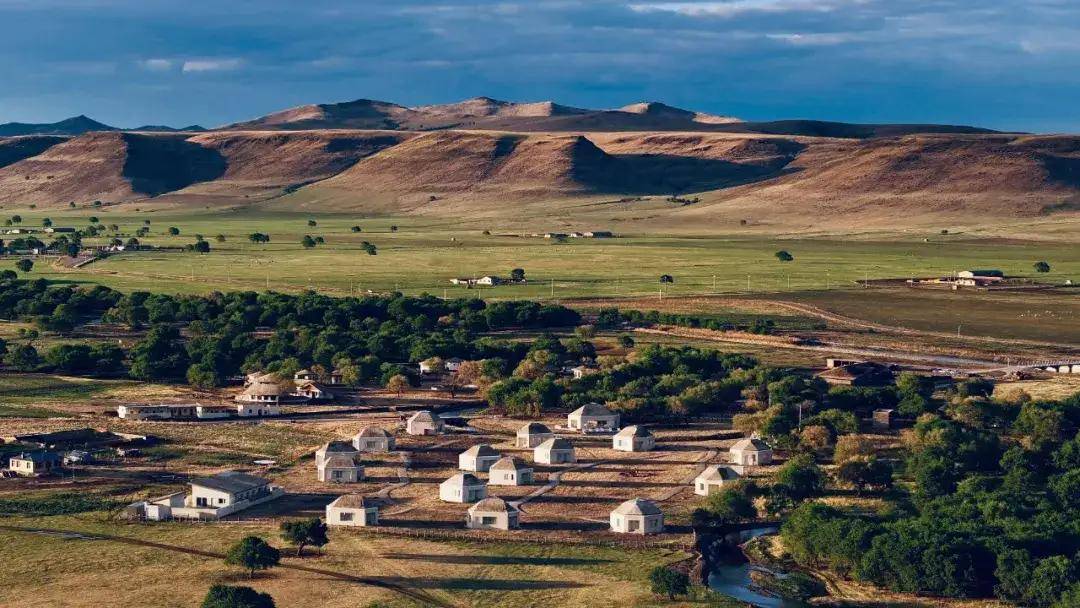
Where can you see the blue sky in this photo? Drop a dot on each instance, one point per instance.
(1008, 64)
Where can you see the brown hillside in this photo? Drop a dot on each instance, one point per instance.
(109, 167)
(14, 149)
(359, 114)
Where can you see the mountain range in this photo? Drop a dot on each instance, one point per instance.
(484, 158)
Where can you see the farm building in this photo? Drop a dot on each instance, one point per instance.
(713, 478)
(866, 373)
(313, 390)
(339, 468)
(454, 364)
(263, 390)
(156, 412)
(352, 510)
(750, 452)
(510, 471)
(492, 514)
(335, 448)
(210, 412)
(463, 487)
(883, 419)
(554, 451)
(373, 439)
(633, 439)
(593, 416)
(532, 435)
(212, 498)
(581, 371)
(424, 423)
(35, 463)
(478, 458)
(304, 375)
(976, 274)
(251, 410)
(637, 516)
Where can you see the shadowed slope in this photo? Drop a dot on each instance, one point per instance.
(14, 149)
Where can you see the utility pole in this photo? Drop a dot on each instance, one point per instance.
(747, 283)
(552, 289)
(714, 283)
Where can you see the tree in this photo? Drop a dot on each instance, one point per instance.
(668, 582)
(784, 256)
(626, 341)
(46, 223)
(312, 223)
(23, 358)
(865, 473)
(25, 265)
(1042, 266)
(229, 596)
(201, 247)
(174, 231)
(393, 228)
(356, 229)
(667, 278)
(253, 553)
(220, 238)
(259, 237)
(397, 384)
(369, 248)
(16, 219)
(801, 478)
(159, 356)
(731, 504)
(517, 274)
(304, 532)
(307, 241)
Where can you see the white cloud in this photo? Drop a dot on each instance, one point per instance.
(211, 65)
(737, 7)
(156, 65)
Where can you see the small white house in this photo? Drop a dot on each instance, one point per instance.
(750, 452)
(210, 412)
(510, 471)
(492, 514)
(254, 410)
(581, 371)
(554, 451)
(211, 498)
(340, 468)
(478, 458)
(313, 390)
(713, 478)
(463, 487)
(593, 416)
(373, 439)
(454, 364)
(424, 423)
(352, 510)
(532, 435)
(262, 390)
(633, 439)
(637, 516)
(35, 464)
(335, 448)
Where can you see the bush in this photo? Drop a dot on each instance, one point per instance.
(228, 596)
(668, 582)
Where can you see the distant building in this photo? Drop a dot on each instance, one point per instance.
(750, 452)
(454, 364)
(35, 463)
(424, 423)
(492, 514)
(478, 458)
(340, 468)
(335, 448)
(974, 274)
(489, 280)
(510, 471)
(532, 435)
(211, 498)
(373, 439)
(593, 416)
(883, 419)
(253, 410)
(598, 234)
(209, 412)
(352, 510)
(866, 373)
(157, 412)
(313, 390)
(581, 371)
(264, 390)
(634, 438)
(554, 451)
(463, 487)
(637, 516)
(713, 478)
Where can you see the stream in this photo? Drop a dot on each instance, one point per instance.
(734, 579)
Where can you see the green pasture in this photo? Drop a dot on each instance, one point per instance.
(424, 254)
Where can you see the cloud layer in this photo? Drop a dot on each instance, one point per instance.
(1008, 64)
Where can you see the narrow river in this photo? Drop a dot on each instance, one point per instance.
(734, 580)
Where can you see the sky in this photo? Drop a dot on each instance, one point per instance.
(1006, 64)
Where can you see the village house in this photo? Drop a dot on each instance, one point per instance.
(597, 234)
(554, 451)
(883, 419)
(335, 448)
(78, 457)
(304, 375)
(313, 390)
(454, 364)
(340, 468)
(532, 435)
(593, 416)
(157, 412)
(35, 463)
(865, 373)
(581, 371)
(478, 458)
(492, 514)
(254, 410)
(211, 498)
(750, 452)
(713, 478)
(424, 423)
(352, 510)
(637, 516)
(373, 439)
(463, 487)
(510, 471)
(633, 439)
(263, 390)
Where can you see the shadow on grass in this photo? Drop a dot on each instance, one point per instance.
(497, 559)
(476, 584)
